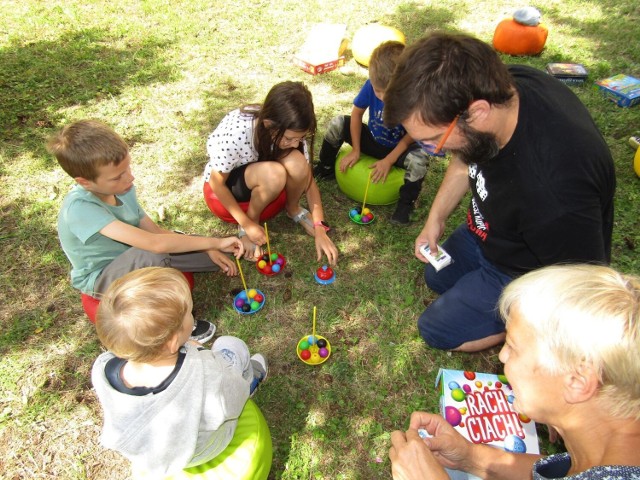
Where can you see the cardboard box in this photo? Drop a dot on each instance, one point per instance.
(622, 89)
(569, 73)
(479, 406)
(318, 68)
(322, 50)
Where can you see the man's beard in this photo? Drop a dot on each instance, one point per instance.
(480, 147)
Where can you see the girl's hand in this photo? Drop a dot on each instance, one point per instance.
(325, 246)
(255, 233)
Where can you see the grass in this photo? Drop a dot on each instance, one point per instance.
(163, 74)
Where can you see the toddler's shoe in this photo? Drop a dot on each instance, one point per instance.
(260, 371)
(203, 331)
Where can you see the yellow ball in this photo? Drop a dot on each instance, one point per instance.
(636, 162)
(251, 293)
(367, 38)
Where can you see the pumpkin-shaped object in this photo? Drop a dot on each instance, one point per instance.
(367, 38)
(522, 34)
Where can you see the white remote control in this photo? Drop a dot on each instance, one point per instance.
(439, 260)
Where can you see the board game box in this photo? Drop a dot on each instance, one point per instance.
(480, 407)
(622, 89)
(569, 73)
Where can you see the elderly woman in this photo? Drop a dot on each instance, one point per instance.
(572, 356)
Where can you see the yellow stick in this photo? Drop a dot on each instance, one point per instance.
(244, 284)
(266, 232)
(313, 331)
(366, 190)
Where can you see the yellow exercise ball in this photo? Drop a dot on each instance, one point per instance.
(367, 38)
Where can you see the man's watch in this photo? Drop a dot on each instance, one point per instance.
(322, 224)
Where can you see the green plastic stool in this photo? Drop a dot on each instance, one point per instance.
(247, 457)
(353, 182)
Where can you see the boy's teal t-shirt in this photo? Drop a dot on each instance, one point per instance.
(80, 220)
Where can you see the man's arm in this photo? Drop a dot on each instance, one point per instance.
(453, 188)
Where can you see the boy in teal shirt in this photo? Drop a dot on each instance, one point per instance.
(102, 228)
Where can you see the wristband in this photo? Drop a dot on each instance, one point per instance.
(322, 224)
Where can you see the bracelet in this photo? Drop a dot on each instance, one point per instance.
(322, 224)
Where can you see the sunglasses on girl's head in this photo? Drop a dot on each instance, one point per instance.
(436, 150)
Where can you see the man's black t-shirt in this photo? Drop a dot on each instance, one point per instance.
(548, 196)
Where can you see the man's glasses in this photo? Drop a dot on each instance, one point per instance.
(436, 150)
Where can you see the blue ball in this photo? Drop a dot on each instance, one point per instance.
(311, 340)
(275, 268)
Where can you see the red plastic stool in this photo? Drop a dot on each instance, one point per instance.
(221, 212)
(90, 304)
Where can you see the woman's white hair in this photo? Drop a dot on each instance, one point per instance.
(584, 313)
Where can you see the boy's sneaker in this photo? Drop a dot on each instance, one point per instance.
(203, 331)
(401, 215)
(260, 371)
(324, 173)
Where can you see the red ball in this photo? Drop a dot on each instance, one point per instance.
(267, 268)
(305, 354)
(258, 298)
(324, 273)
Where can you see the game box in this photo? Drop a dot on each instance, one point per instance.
(622, 89)
(480, 407)
(569, 73)
(322, 49)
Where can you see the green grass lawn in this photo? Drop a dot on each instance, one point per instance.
(163, 74)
